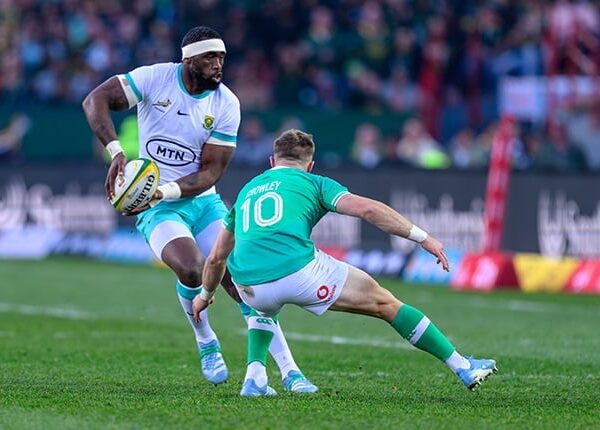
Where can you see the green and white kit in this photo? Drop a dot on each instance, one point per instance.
(272, 220)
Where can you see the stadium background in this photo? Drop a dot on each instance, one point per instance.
(405, 99)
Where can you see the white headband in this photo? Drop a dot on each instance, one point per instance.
(197, 48)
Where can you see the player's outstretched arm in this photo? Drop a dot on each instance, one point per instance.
(107, 96)
(214, 269)
(387, 219)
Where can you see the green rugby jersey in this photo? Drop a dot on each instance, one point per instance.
(272, 220)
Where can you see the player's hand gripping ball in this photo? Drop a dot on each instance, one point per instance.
(136, 187)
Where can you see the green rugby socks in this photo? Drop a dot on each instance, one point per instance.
(415, 327)
(279, 349)
(260, 333)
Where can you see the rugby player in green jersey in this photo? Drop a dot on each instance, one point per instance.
(266, 245)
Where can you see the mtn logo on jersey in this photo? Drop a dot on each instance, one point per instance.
(209, 122)
(169, 152)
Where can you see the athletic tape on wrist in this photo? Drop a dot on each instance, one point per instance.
(114, 148)
(170, 191)
(416, 234)
(206, 295)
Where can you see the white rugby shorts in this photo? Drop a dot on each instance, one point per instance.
(315, 287)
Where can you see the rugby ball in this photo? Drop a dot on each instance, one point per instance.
(137, 185)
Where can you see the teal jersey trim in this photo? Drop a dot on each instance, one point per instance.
(223, 137)
(184, 89)
(134, 87)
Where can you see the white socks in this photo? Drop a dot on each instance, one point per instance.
(202, 330)
(280, 351)
(457, 362)
(258, 372)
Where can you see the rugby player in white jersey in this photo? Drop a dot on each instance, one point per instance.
(188, 123)
(266, 244)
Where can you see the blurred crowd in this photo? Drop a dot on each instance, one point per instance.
(438, 62)
(57, 51)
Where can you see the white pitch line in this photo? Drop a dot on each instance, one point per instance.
(351, 374)
(525, 306)
(514, 305)
(70, 314)
(74, 314)
(340, 340)
(499, 375)
(514, 375)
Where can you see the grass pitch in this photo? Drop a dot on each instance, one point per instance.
(100, 346)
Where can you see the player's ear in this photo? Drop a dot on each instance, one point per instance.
(310, 166)
(271, 161)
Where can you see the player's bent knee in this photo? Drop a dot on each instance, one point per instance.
(189, 274)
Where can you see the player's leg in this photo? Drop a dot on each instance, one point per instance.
(183, 257)
(292, 378)
(172, 242)
(261, 330)
(362, 294)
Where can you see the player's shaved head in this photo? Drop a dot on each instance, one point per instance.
(197, 34)
(294, 145)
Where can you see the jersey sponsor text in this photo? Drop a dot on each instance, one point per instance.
(169, 152)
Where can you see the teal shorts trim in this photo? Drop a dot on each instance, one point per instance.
(196, 213)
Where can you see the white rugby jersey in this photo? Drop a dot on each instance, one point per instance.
(173, 124)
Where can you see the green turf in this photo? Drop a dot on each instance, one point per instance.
(92, 345)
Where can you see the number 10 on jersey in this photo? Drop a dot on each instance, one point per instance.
(257, 211)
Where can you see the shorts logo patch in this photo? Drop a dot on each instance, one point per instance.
(322, 292)
(209, 122)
